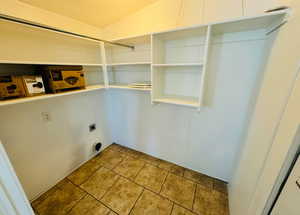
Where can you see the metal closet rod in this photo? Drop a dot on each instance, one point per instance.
(12, 19)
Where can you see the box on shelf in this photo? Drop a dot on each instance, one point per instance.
(11, 87)
(61, 78)
(33, 85)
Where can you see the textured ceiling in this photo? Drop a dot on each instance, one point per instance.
(94, 12)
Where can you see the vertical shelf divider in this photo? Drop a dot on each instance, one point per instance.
(151, 71)
(104, 65)
(205, 66)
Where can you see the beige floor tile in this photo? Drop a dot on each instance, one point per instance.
(179, 190)
(133, 153)
(98, 184)
(220, 205)
(49, 192)
(122, 196)
(203, 201)
(151, 160)
(210, 202)
(129, 167)
(205, 181)
(220, 186)
(61, 200)
(111, 213)
(177, 210)
(109, 158)
(116, 147)
(84, 172)
(89, 205)
(151, 177)
(173, 168)
(39, 200)
(150, 204)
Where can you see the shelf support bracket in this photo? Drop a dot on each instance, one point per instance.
(276, 27)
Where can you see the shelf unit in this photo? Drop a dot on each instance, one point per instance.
(179, 59)
(93, 75)
(125, 66)
(49, 96)
(126, 87)
(176, 62)
(129, 64)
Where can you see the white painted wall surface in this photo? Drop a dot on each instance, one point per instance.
(206, 141)
(167, 14)
(276, 87)
(21, 10)
(181, 142)
(45, 152)
(256, 7)
(284, 147)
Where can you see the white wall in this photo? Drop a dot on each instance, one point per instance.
(206, 141)
(186, 127)
(276, 87)
(167, 14)
(44, 152)
(21, 10)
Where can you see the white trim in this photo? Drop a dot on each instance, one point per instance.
(13, 200)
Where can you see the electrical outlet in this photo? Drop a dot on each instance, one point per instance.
(46, 117)
(92, 127)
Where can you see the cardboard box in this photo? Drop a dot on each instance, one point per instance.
(11, 86)
(33, 85)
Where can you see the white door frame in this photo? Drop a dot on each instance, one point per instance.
(281, 155)
(13, 200)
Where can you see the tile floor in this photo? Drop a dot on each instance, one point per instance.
(123, 181)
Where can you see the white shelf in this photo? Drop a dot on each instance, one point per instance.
(178, 64)
(48, 96)
(126, 87)
(49, 63)
(129, 64)
(181, 102)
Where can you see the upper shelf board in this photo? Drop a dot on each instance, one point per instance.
(49, 63)
(248, 24)
(48, 96)
(175, 101)
(130, 64)
(126, 87)
(177, 64)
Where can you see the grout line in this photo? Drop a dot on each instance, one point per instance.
(77, 186)
(93, 173)
(136, 201)
(172, 208)
(193, 212)
(133, 181)
(110, 187)
(164, 182)
(102, 203)
(194, 199)
(103, 194)
(69, 211)
(139, 171)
